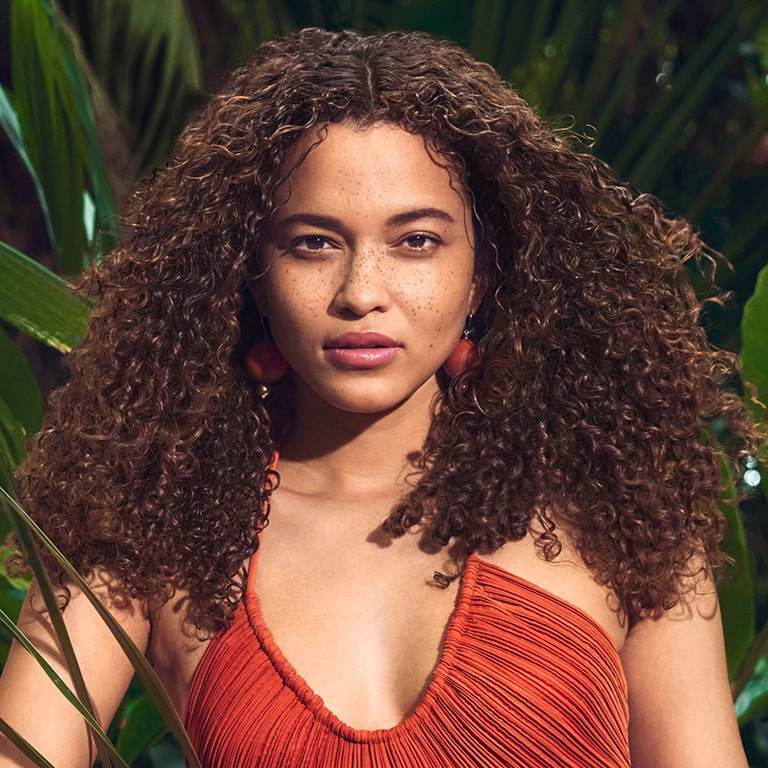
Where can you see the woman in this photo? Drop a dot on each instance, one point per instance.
(492, 524)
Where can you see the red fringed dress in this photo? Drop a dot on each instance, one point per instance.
(524, 679)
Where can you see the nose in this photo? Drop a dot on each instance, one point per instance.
(363, 283)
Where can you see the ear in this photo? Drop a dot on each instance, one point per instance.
(476, 294)
(256, 289)
(256, 270)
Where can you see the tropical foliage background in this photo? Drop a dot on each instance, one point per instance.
(673, 93)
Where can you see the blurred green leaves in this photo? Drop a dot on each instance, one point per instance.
(52, 128)
(754, 340)
(145, 70)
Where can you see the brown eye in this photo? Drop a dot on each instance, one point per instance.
(421, 242)
(312, 246)
(314, 243)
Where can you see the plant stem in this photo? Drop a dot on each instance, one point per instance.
(747, 667)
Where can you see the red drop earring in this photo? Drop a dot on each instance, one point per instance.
(264, 362)
(464, 356)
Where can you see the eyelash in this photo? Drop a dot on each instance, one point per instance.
(303, 242)
(429, 240)
(308, 242)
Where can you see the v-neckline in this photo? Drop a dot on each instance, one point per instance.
(314, 703)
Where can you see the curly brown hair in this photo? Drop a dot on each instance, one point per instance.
(587, 414)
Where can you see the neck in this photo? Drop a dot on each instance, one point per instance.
(336, 452)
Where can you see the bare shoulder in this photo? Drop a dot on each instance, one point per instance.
(29, 701)
(565, 577)
(681, 710)
(175, 648)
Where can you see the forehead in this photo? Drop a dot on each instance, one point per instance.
(378, 162)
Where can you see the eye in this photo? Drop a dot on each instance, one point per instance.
(421, 242)
(311, 245)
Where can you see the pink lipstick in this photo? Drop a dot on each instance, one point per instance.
(361, 350)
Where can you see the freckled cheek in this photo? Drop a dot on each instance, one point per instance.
(290, 310)
(300, 316)
(442, 302)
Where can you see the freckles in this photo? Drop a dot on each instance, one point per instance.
(441, 297)
(321, 277)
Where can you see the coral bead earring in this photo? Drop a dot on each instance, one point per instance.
(463, 358)
(264, 363)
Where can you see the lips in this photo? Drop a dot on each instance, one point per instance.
(365, 340)
(361, 350)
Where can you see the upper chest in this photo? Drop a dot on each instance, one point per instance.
(360, 618)
(362, 621)
(518, 670)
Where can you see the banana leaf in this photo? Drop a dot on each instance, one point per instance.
(754, 345)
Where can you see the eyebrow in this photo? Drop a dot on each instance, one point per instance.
(331, 222)
(419, 213)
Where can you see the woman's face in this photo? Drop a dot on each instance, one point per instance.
(368, 270)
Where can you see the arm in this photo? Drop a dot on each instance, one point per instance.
(680, 707)
(31, 704)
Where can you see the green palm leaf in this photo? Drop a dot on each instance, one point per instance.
(24, 746)
(144, 671)
(85, 711)
(38, 302)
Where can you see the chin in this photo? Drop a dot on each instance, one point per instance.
(367, 408)
(384, 403)
(373, 397)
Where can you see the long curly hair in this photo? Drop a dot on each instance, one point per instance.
(591, 412)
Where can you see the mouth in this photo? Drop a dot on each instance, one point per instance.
(366, 340)
(361, 350)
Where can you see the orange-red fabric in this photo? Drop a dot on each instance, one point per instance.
(524, 679)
